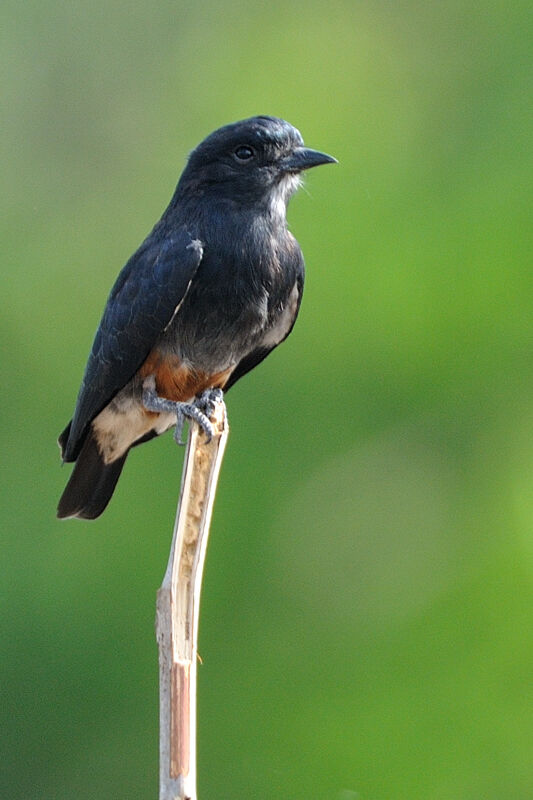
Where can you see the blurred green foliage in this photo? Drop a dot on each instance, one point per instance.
(366, 622)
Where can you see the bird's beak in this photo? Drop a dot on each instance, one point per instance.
(304, 158)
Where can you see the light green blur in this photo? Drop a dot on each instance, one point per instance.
(367, 625)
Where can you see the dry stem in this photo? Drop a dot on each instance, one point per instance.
(178, 606)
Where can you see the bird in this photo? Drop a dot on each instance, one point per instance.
(211, 291)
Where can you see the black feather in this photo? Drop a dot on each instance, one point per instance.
(142, 302)
(91, 484)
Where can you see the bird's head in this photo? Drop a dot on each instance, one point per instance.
(254, 161)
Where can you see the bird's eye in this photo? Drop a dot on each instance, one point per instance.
(244, 153)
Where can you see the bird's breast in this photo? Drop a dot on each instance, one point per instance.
(218, 322)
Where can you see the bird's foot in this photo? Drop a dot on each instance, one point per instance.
(198, 411)
(208, 400)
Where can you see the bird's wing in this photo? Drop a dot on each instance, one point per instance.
(142, 303)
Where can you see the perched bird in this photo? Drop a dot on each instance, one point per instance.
(212, 290)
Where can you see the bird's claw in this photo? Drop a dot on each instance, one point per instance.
(208, 400)
(198, 411)
(192, 412)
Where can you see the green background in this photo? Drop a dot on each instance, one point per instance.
(366, 621)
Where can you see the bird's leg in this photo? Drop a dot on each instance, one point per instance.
(197, 411)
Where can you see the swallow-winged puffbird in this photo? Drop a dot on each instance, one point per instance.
(211, 291)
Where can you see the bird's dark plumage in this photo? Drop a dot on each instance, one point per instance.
(213, 289)
(141, 304)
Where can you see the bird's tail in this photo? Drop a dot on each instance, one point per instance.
(91, 484)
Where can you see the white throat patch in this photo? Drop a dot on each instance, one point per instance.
(282, 194)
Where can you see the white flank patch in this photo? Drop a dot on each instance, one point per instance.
(278, 332)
